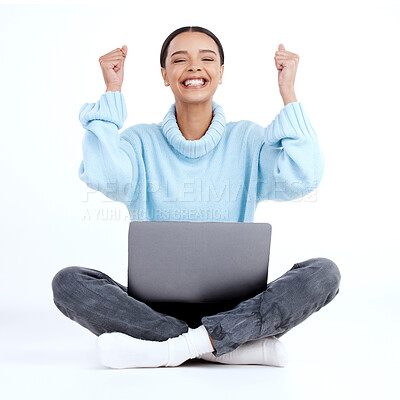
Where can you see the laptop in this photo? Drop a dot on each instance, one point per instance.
(197, 263)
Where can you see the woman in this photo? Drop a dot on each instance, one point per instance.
(148, 168)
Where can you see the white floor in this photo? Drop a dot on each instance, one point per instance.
(348, 350)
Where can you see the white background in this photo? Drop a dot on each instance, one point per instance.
(348, 83)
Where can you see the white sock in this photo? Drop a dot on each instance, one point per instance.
(118, 350)
(265, 351)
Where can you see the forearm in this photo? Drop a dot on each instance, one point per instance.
(288, 95)
(291, 162)
(109, 163)
(113, 89)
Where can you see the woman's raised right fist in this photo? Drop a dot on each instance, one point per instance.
(112, 66)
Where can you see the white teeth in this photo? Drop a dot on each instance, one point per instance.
(194, 82)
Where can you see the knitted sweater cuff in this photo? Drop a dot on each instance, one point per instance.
(111, 107)
(291, 122)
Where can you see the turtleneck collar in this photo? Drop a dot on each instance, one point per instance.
(194, 148)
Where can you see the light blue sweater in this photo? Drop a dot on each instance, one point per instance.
(160, 176)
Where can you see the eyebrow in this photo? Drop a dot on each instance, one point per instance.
(200, 51)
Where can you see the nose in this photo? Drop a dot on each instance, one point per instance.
(194, 68)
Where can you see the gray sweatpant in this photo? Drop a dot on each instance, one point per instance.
(98, 303)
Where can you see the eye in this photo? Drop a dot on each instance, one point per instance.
(204, 59)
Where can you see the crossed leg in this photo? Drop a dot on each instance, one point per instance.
(100, 304)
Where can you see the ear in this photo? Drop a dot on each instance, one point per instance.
(222, 70)
(164, 73)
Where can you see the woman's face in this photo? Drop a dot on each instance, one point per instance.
(197, 56)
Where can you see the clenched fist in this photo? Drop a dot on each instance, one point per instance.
(286, 63)
(112, 66)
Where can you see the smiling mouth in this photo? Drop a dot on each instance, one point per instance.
(194, 83)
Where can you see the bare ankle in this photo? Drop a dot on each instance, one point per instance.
(211, 341)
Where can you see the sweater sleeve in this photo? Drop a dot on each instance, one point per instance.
(291, 161)
(110, 164)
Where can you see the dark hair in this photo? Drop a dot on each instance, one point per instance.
(168, 40)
